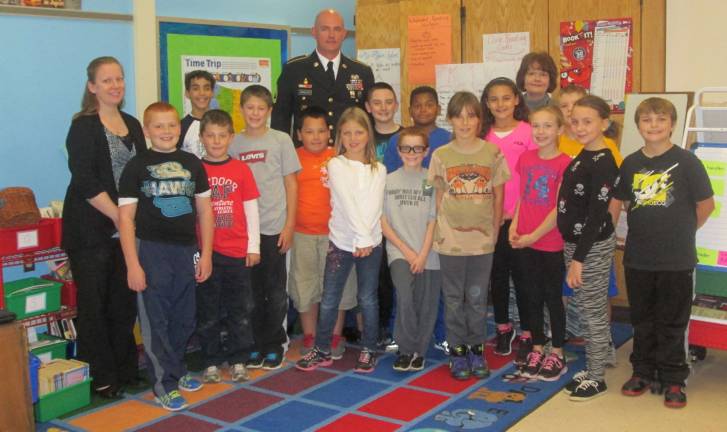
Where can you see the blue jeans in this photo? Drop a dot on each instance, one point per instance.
(338, 265)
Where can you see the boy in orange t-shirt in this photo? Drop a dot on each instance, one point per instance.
(310, 238)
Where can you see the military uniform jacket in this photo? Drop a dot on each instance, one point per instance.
(304, 82)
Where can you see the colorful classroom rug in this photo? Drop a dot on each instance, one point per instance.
(336, 399)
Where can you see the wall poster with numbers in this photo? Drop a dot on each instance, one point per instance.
(598, 56)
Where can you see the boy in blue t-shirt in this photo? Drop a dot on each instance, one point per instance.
(424, 109)
(163, 194)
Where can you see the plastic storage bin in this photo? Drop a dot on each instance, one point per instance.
(46, 234)
(55, 351)
(34, 363)
(63, 401)
(68, 291)
(32, 296)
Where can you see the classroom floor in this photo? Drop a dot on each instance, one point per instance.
(336, 399)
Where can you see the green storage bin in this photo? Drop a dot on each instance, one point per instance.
(32, 296)
(711, 283)
(54, 405)
(47, 353)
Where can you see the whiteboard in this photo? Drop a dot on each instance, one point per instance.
(631, 139)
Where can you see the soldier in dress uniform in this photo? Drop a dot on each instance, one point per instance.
(325, 78)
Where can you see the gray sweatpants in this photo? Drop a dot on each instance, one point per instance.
(417, 300)
(592, 302)
(465, 280)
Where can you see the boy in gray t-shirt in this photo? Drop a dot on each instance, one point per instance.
(408, 225)
(271, 156)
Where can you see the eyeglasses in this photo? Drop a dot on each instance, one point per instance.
(409, 149)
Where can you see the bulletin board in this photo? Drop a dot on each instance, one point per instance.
(238, 55)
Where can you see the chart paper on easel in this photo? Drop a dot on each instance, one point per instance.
(712, 237)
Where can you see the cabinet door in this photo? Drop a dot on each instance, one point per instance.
(504, 16)
(15, 399)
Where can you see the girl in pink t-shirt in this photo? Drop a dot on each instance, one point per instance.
(505, 125)
(534, 234)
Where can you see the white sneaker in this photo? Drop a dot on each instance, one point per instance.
(211, 375)
(238, 372)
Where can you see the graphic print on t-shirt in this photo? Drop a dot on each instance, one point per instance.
(171, 189)
(537, 178)
(469, 181)
(222, 206)
(653, 188)
(253, 156)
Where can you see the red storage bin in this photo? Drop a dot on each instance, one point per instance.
(46, 234)
(708, 334)
(68, 291)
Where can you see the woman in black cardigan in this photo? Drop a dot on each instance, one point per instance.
(100, 142)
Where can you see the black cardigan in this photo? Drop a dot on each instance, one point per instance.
(89, 161)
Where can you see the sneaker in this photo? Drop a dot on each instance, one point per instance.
(189, 383)
(255, 361)
(476, 359)
(366, 362)
(553, 368)
(272, 361)
(338, 347)
(442, 346)
(314, 359)
(459, 365)
(588, 389)
(308, 342)
(674, 397)
(172, 401)
(391, 347)
(238, 372)
(575, 382)
(417, 363)
(504, 342)
(403, 362)
(524, 348)
(533, 364)
(635, 386)
(211, 375)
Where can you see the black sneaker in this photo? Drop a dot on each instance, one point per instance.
(553, 368)
(417, 363)
(255, 361)
(533, 364)
(588, 389)
(504, 342)
(366, 362)
(403, 363)
(674, 396)
(525, 346)
(272, 361)
(313, 360)
(575, 381)
(635, 386)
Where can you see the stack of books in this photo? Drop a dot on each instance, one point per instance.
(59, 374)
(710, 308)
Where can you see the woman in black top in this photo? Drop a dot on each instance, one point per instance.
(100, 142)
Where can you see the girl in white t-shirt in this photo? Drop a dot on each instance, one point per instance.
(356, 181)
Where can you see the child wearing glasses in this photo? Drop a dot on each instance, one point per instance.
(408, 225)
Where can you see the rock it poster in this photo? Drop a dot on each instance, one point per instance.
(598, 56)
